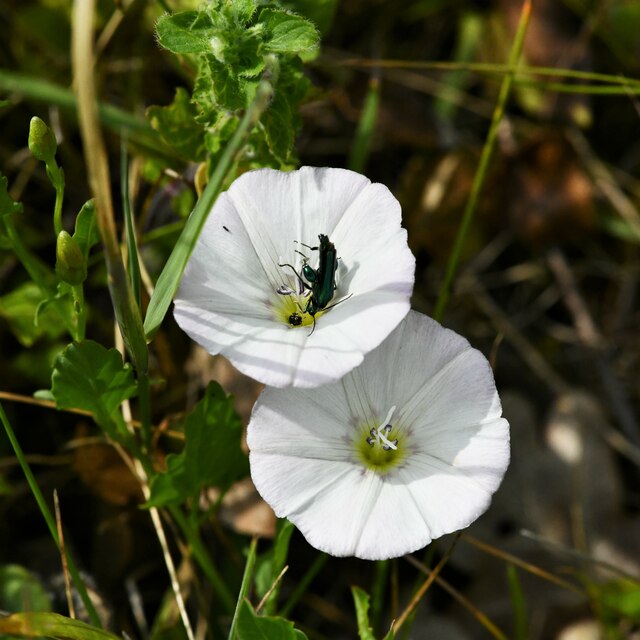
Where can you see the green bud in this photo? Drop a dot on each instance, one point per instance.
(42, 142)
(71, 266)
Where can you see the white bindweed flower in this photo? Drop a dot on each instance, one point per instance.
(259, 286)
(409, 446)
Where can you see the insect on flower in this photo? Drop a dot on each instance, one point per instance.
(320, 283)
(235, 297)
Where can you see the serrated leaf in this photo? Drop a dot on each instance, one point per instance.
(230, 91)
(186, 32)
(86, 233)
(254, 627)
(88, 376)
(288, 33)
(361, 601)
(7, 204)
(212, 455)
(177, 125)
(241, 11)
(20, 309)
(51, 625)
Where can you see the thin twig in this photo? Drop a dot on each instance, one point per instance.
(432, 575)
(63, 556)
(480, 616)
(518, 562)
(578, 555)
(271, 588)
(529, 354)
(592, 339)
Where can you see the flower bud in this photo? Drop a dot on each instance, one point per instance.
(70, 263)
(42, 142)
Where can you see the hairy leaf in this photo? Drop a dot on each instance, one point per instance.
(288, 33)
(186, 32)
(177, 125)
(88, 376)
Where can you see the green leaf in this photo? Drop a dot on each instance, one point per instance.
(251, 626)
(212, 455)
(7, 204)
(88, 376)
(20, 590)
(186, 32)
(361, 601)
(288, 33)
(230, 90)
(51, 625)
(177, 125)
(86, 232)
(19, 309)
(241, 11)
(280, 121)
(519, 605)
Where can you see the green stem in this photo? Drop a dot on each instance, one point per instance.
(492, 68)
(144, 402)
(172, 272)
(81, 312)
(244, 587)
(51, 523)
(378, 591)
(56, 177)
(478, 181)
(302, 585)
(202, 557)
(366, 127)
(132, 246)
(116, 119)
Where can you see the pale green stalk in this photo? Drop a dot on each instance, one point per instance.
(478, 181)
(244, 587)
(366, 127)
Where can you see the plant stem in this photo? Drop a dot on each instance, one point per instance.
(81, 312)
(49, 519)
(126, 310)
(244, 587)
(478, 181)
(202, 557)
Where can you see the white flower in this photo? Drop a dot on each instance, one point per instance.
(244, 293)
(405, 448)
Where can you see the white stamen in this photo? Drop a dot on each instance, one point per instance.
(379, 434)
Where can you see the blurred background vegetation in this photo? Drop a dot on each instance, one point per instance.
(547, 288)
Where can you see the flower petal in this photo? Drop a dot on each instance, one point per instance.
(304, 453)
(228, 297)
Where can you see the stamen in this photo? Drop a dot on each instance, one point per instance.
(284, 290)
(379, 434)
